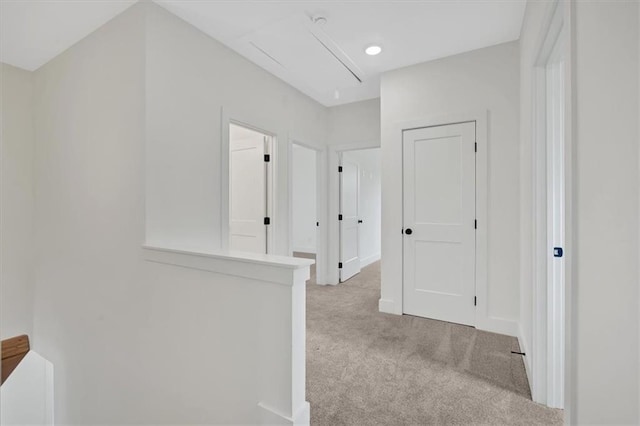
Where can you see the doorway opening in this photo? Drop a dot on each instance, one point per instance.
(305, 221)
(359, 210)
(250, 189)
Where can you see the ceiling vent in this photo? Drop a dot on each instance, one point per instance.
(299, 48)
(265, 53)
(331, 47)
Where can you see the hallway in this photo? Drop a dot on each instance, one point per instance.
(366, 367)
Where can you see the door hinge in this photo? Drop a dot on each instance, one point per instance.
(475, 224)
(267, 221)
(475, 147)
(317, 223)
(339, 217)
(339, 169)
(340, 265)
(267, 158)
(475, 300)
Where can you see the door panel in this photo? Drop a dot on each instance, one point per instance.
(349, 234)
(438, 175)
(439, 208)
(247, 195)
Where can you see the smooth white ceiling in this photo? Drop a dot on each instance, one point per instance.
(409, 32)
(32, 32)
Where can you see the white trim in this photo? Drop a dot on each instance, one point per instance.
(543, 352)
(387, 306)
(287, 271)
(271, 416)
(527, 355)
(307, 250)
(333, 237)
(498, 325)
(483, 321)
(366, 261)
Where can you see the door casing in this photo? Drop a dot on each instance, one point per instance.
(394, 304)
(548, 348)
(463, 314)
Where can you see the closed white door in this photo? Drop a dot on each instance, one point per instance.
(349, 236)
(439, 222)
(247, 193)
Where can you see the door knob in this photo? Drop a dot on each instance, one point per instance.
(408, 231)
(359, 221)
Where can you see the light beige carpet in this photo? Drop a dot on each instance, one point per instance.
(369, 368)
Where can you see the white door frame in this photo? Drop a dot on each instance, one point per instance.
(546, 349)
(483, 320)
(272, 229)
(321, 207)
(333, 235)
(466, 315)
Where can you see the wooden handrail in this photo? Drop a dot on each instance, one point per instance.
(13, 350)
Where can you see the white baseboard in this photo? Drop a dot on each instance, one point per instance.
(366, 261)
(270, 416)
(526, 358)
(311, 250)
(388, 306)
(498, 325)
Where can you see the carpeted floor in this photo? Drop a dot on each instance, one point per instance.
(369, 368)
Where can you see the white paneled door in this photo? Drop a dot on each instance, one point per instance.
(439, 170)
(349, 235)
(248, 195)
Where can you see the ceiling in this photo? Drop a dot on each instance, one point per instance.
(326, 62)
(32, 32)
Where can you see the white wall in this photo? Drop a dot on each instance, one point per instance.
(485, 79)
(26, 397)
(606, 134)
(17, 202)
(90, 303)
(356, 122)
(191, 82)
(135, 341)
(605, 84)
(304, 195)
(369, 202)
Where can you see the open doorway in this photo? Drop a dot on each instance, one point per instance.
(359, 210)
(250, 189)
(304, 194)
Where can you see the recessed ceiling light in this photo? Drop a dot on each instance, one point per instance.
(373, 50)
